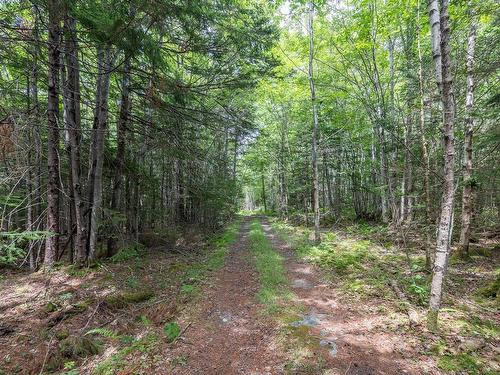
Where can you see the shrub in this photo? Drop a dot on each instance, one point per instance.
(127, 253)
(12, 245)
(172, 331)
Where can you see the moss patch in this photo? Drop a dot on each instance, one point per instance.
(79, 347)
(118, 361)
(491, 290)
(459, 363)
(121, 300)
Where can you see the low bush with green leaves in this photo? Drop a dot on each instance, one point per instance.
(172, 330)
(419, 288)
(129, 252)
(13, 245)
(366, 229)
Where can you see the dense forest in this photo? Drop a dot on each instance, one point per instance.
(147, 146)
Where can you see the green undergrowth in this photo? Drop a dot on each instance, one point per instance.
(481, 327)
(259, 211)
(454, 363)
(356, 264)
(271, 270)
(71, 349)
(365, 268)
(491, 290)
(147, 345)
(463, 363)
(118, 361)
(366, 230)
(127, 253)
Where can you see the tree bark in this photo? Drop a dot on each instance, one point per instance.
(425, 152)
(434, 19)
(446, 216)
(314, 153)
(97, 151)
(33, 183)
(264, 199)
(468, 181)
(53, 186)
(120, 149)
(406, 182)
(71, 95)
(30, 209)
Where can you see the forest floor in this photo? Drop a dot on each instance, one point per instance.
(259, 298)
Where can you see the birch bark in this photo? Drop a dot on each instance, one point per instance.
(446, 216)
(468, 190)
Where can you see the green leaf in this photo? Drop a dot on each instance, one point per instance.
(172, 330)
(187, 288)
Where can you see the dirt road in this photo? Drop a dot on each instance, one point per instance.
(230, 334)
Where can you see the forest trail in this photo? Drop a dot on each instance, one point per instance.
(230, 334)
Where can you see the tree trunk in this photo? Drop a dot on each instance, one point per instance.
(97, 151)
(425, 152)
(52, 242)
(436, 40)
(314, 154)
(34, 152)
(121, 128)
(406, 181)
(68, 210)
(383, 174)
(329, 188)
(264, 199)
(30, 209)
(71, 95)
(468, 181)
(446, 216)
(235, 152)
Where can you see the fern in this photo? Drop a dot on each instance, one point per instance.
(172, 330)
(103, 332)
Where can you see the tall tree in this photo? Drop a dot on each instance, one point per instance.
(34, 153)
(445, 227)
(468, 179)
(97, 147)
(125, 104)
(53, 184)
(436, 35)
(72, 100)
(425, 149)
(314, 150)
